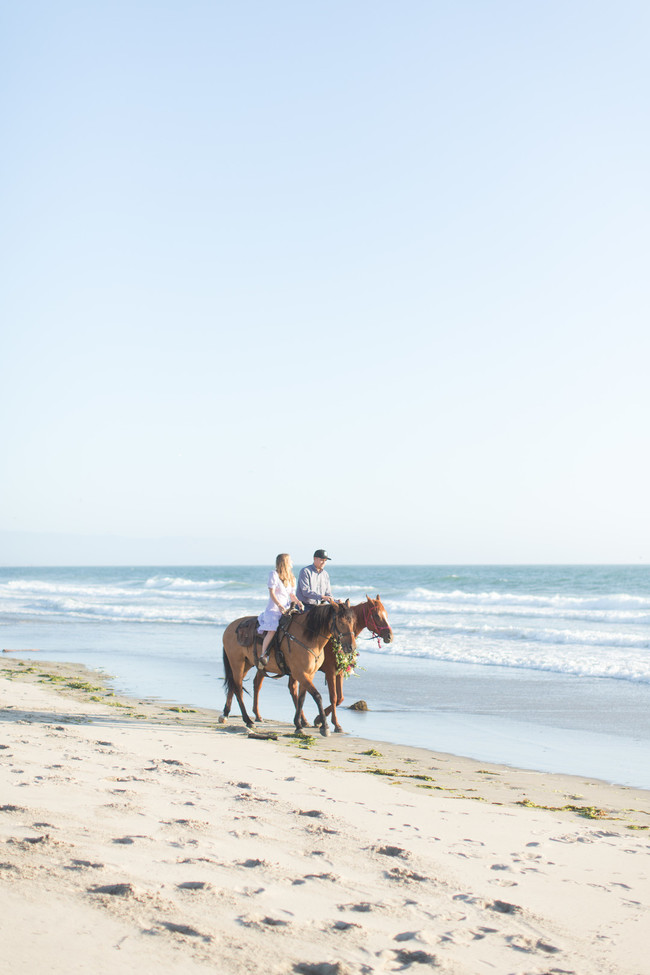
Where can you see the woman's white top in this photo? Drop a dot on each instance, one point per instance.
(269, 619)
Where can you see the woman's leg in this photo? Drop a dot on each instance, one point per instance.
(263, 660)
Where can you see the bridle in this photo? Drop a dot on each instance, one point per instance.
(371, 623)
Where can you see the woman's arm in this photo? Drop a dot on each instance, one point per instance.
(276, 600)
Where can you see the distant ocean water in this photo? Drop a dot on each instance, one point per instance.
(540, 666)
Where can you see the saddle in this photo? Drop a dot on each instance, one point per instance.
(246, 632)
(247, 636)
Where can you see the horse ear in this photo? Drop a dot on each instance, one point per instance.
(347, 603)
(377, 597)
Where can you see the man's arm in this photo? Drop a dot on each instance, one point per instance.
(327, 589)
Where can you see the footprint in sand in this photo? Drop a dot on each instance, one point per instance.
(29, 841)
(256, 922)
(407, 958)
(503, 907)
(400, 874)
(84, 865)
(185, 930)
(392, 851)
(322, 968)
(114, 890)
(519, 943)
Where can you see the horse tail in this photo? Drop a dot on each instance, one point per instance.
(229, 678)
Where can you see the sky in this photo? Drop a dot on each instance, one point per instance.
(358, 274)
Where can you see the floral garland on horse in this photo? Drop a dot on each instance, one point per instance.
(345, 662)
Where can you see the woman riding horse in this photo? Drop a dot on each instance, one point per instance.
(297, 650)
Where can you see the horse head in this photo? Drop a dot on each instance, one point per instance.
(332, 619)
(375, 619)
(342, 625)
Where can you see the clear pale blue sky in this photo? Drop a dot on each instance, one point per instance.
(359, 274)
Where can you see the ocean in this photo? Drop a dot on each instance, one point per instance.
(542, 667)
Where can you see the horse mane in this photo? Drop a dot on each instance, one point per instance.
(319, 619)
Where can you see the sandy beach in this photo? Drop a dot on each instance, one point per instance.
(136, 833)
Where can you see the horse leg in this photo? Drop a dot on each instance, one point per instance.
(298, 695)
(293, 690)
(307, 685)
(229, 695)
(336, 697)
(335, 686)
(257, 685)
(235, 685)
(332, 680)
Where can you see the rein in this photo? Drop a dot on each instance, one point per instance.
(372, 624)
(290, 636)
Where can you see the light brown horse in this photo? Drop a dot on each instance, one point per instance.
(370, 615)
(296, 650)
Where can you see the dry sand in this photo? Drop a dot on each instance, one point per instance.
(138, 837)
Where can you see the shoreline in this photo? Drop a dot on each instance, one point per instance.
(329, 855)
(482, 780)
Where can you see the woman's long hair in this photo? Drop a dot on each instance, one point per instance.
(283, 569)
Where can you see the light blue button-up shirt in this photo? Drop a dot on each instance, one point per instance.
(312, 586)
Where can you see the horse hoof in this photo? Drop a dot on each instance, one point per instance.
(223, 719)
(317, 721)
(338, 729)
(325, 731)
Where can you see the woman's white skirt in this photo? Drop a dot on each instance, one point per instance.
(268, 620)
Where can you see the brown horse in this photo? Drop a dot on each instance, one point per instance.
(370, 615)
(297, 650)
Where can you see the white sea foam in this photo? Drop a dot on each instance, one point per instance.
(582, 633)
(458, 597)
(186, 585)
(615, 609)
(631, 665)
(586, 637)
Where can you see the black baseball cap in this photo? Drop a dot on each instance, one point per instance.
(320, 553)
